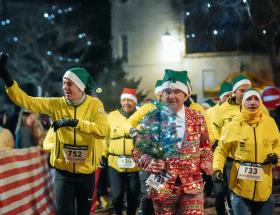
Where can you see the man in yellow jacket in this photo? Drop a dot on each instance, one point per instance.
(223, 115)
(123, 174)
(79, 121)
(254, 151)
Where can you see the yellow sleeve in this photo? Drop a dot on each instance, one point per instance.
(198, 107)
(228, 136)
(99, 147)
(99, 126)
(211, 116)
(36, 104)
(135, 118)
(49, 140)
(140, 113)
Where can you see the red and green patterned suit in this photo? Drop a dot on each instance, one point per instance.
(185, 187)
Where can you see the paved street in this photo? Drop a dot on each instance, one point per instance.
(208, 211)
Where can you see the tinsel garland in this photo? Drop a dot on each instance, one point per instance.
(157, 136)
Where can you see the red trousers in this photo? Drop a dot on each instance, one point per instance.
(177, 201)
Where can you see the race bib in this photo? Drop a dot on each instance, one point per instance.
(125, 162)
(75, 154)
(250, 171)
(157, 181)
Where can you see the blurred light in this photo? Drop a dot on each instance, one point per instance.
(69, 59)
(59, 11)
(215, 32)
(81, 35)
(244, 1)
(114, 83)
(172, 48)
(60, 58)
(52, 16)
(193, 35)
(188, 13)
(49, 53)
(69, 9)
(77, 60)
(208, 5)
(15, 39)
(264, 31)
(89, 43)
(46, 15)
(3, 23)
(8, 21)
(188, 36)
(54, 7)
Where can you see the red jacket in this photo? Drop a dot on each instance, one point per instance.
(194, 156)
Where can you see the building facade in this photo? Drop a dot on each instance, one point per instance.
(149, 35)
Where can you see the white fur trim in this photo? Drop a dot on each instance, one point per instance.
(179, 85)
(129, 96)
(222, 96)
(205, 105)
(239, 83)
(165, 85)
(158, 89)
(249, 94)
(73, 77)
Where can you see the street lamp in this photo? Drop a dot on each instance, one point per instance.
(172, 48)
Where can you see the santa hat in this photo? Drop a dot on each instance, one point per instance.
(208, 103)
(225, 88)
(81, 78)
(238, 81)
(158, 87)
(129, 93)
(251, 92)
(271, 96)
(177, 80)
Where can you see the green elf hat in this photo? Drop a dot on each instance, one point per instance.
(225, 88)
(82, 79)
(158, 87)
(238, 81)
(251, 92)
(208, 103)
(177, 80)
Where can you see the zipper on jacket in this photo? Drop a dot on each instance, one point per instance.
(74, 166)
(124, 150)
(255, 160)
(57, 145)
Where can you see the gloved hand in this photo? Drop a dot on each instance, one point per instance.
(133, 132)
(218, 177)
(103, 162)
(271, 158)
(4, 74)
(64, 123)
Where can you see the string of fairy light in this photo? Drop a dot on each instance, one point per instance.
(50, 16)
(195, 9)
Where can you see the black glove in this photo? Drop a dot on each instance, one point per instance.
(103, 162)
(218, 177)
(64, 123)
(4, 74)
(214, 145)
(271, 158)
(133, 132)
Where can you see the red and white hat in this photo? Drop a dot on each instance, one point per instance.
(271, 96)
(129, 93)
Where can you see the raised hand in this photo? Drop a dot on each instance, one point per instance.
(4, 74)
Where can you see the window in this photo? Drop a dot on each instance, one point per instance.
(124, 41)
